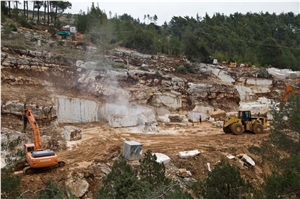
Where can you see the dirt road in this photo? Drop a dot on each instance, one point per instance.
(101, 143)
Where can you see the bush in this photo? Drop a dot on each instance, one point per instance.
(285, 185)
(52, 31)
(122, 181)
(10, 185)
(224, 181)
(181, 69)
(53, 191)
(3, 17)
(152, 171)
(24, 23)
(185, 68)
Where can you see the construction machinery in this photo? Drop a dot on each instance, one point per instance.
(244, 122)
(37, 158)
(288, 91)
(232, 64)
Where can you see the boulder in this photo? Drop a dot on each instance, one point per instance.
(185, 154)
(183, 173)
(162, 158)
(218, 115)
(71, 133)
(178, 118)
(77, 185)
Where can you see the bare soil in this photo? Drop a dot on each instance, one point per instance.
(101, 143)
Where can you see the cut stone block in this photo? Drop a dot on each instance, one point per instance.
(247, 160)
(72, 133)
(185, 154)
(162, 158)
(123, 120)
(132, 150)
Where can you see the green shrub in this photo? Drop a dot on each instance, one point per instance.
(285, 185)
(13, 27)
(10, 185)
(152, 171)
(185, 68)
(181, 69)
(122, 181)
(24, 23)
(3, 17)
(52, 31)
(224, 181)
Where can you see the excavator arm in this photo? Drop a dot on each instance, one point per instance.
(35, 128)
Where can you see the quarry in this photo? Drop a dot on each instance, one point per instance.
(87, 106)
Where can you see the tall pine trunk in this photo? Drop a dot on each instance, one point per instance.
(27, 10)
(9, 14)
(17, 13)
(33, 11)
(24, 8)
(45, 4)
(48, 5)
(55, 14)
(38, 14)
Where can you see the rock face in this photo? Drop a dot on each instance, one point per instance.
(147, 80)
(17, 108)
(9, 138)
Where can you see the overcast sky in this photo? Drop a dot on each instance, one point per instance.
(167, 9)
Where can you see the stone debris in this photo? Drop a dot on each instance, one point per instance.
(218, 124)
(77, 185)
(178, 118)
(261, 107)
(230, 156)
(162, 158)
(164, 118)
(71, 133)
(186, 154)
(282, 74)
(208, 167)
(247, 160)
(105, 169)
(218, 114)
(244, 159)
(194, 116)
(183, 173)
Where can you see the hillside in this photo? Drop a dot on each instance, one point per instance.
(73, 83)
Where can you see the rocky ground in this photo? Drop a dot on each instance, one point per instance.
(33, 77)
(91, 157)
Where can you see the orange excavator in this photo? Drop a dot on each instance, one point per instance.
(288, 91)
(37, 158)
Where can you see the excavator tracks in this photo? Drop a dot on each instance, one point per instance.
(28, 170)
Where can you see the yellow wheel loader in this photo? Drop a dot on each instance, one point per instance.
(244, 122)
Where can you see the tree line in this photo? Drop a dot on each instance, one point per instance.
(49, 9)
(261, 39)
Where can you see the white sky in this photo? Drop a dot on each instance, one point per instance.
(167, 9)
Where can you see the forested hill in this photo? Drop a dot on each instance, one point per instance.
(260, 39)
